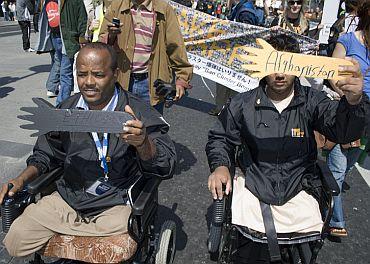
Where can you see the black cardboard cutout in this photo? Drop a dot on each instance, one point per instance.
(47, 118)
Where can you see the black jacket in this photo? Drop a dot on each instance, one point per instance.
(281, 148)
(77, 153)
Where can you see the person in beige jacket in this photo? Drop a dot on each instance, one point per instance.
(149, 45)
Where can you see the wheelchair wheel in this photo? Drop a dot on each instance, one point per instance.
(166, 243)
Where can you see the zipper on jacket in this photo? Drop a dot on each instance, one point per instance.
(277, 161)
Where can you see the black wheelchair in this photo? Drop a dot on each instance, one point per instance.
(142, 244)
(295, 248)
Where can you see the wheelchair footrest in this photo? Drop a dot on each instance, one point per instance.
(284, 239)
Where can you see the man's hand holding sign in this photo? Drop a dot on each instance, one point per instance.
(267, 61)
(134, 133)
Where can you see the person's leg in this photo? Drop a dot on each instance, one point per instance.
(140, 88)
(50, 215)
(26, 236)
(28, 37)
(53, 81)
(33, 229)
(337, 163)
(66, 75)
(159, 107)
(66, 78)
(352, 156)
(222, 95)
(249, 252)
(25, 39)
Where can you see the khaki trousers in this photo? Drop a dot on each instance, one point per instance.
(52, 215)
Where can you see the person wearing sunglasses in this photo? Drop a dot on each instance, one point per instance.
(292, 18)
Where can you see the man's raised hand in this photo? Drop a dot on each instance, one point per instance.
(134, 131)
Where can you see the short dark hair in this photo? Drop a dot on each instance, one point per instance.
(281, 42)
(284, 42)
(103, 46)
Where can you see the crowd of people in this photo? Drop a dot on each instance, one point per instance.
(8, 10)
(110, 53)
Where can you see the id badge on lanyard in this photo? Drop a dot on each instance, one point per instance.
(101, 185)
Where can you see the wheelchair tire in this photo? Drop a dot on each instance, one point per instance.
(166, 243)
(214, 238)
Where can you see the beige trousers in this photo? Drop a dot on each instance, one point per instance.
(300, 214)
(52, 215)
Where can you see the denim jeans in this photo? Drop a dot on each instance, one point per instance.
(140, 88)
(65, 73)
(6, 16)
(340, 162)
(54, 76)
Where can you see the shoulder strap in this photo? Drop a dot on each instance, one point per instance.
(270, 230)
(350, 23)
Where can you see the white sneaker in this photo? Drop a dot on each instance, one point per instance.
(51, 94)
(29, 50)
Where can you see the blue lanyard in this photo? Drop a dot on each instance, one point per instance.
(103, 148)
(102, 151)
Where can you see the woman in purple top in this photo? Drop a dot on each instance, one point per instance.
(340, 161)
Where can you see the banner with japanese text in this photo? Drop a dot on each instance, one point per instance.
(214, 46)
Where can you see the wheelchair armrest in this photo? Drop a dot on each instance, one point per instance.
(146, 196)
(328, 181)
(43, 181)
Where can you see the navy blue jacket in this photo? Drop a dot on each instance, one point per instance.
(281, 148)
(77, 154)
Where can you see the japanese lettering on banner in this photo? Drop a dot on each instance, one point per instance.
(214, 46)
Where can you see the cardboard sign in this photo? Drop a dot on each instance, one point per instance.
(213, 46)
(47, 118)
(268, 60)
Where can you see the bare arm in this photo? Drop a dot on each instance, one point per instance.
(27, 175)
(339, 52)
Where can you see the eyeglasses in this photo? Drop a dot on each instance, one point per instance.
(295, 2)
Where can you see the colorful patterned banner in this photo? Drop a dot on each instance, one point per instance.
(213, 46)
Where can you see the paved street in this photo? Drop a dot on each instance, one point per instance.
(184, 198)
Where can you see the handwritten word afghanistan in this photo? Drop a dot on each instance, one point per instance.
(289, 63)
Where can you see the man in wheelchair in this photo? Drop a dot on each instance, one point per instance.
(278, 193)
(98, 168)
